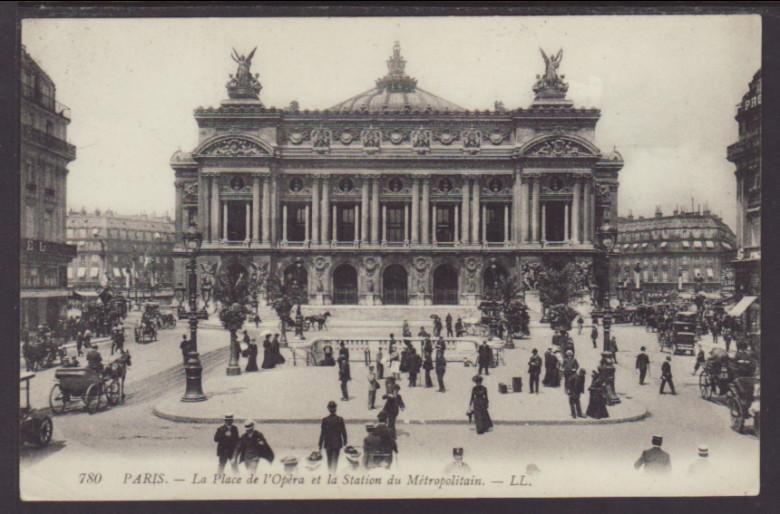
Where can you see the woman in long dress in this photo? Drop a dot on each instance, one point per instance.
(277, 352)
(268, 354)
(479, 406)
(251, 356)
(597, 403)
(555, 371)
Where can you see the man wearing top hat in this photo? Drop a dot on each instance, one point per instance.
(655, 460)
(642, 363)
(570, 367)
(333, 436)
(226, 438)
(252, 447)
(666, 375)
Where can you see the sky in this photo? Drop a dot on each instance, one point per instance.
(667, 87)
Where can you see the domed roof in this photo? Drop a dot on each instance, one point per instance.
(396, 91)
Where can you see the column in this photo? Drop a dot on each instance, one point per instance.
(384, 224)
(466, 198)
(212, 189)
(534, 209)
(315, 210)
(524, 211)
(255, 209)
(325, 209)
(575, 212)
(266, 209)
(364, 210)
(406, 223)
(224, 221)
(566, 235)
(247, 221)
(475, 211)
(274, 216)
(284, 223)
(358, 226)
(484, 224)
(544, 222)
(179, 208)
(426, 210)
(457, 224)
(433, 224)
(202, 204)
(307, 225)
(415, 225)
(375, 211)
(517, 193)
(506, 223)
(586, 214)
(335, 225)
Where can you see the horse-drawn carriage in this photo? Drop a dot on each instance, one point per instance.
(734, 379)
(680, 335)
(43, 352)
(35, 427)
(90, 385)
(744, 397)
(145, 331)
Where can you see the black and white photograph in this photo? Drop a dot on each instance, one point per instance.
(389, 257)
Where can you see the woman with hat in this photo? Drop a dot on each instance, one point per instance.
(251, 355)
(478, 405)
(268, 355)
(597, 403)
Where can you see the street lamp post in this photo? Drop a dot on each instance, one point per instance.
(193, 369)
(607, 235)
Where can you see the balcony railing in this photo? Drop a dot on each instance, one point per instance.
(49, 141)
(45, 101)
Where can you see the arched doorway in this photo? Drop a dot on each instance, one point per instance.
(494, 275)
(345, 285)
(445, 285)
(297, 279)
(395, 286)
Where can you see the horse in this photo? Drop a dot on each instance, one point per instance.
(321, 320)
(117, 369)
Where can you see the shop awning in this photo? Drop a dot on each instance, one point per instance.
(726, 245)
(710, 244)
(742, 306)
(663, 244)
(686, 244)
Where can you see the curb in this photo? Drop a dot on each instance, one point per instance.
(316, 421)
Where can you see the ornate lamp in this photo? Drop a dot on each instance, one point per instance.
(193, 239)
(607, 235)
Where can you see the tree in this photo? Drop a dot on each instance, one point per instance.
(558, 286)
(283, 295)
(506, 294)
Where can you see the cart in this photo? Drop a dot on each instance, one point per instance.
(680, 335)
(145, 332)
(87, 384)
(35, 428)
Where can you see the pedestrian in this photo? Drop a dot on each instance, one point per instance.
(343, 351)
(406, 330)
(373, 385)
(701, 466)
(459, 327)
(727, 338)
(700, 359)
(257, 321)
(597, 401)
(613, 348)
(437, 326)
(268, 354)
(548, 366)
(380, 364)
(594, 333)
(655, 460)
(534, 370)
(642, 364)
(394, 358)
(576, 388)
(333, 436)
(448, 323)
(441, 368)
(185, 348)
(415, 363)
(88, 338)
(252, 447)
(393, 404)
(379, 445)
(484, 358)
(251, 355)
(344, 377)
(80, 343)
(478, 406)
(580, 323)
(246, 338)
(422, 334)
(457, 466)
(226, 438)
(428, 366)
(276, 351)
(666, 375)
(570, 367)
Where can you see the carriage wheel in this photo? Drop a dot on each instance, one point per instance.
(57, 400)
(737, 418)
(45, 431)
(113, 392)
(92, 398)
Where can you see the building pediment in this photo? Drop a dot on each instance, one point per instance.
(559, 146)
(241, 146)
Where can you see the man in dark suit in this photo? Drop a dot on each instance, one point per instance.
(252, 447)
(575, 388)
(642, 363)
(666, 375)
(534, 370)
(484, 358)
(655, 460)
(226, 438)
(440, 367)
(415, 363)
(333, 436)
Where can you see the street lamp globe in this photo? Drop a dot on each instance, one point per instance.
(608, 235)
(192, 239)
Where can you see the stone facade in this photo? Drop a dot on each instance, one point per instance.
(396, 195)
(45, 154)
(666, 253)
(134, 251)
